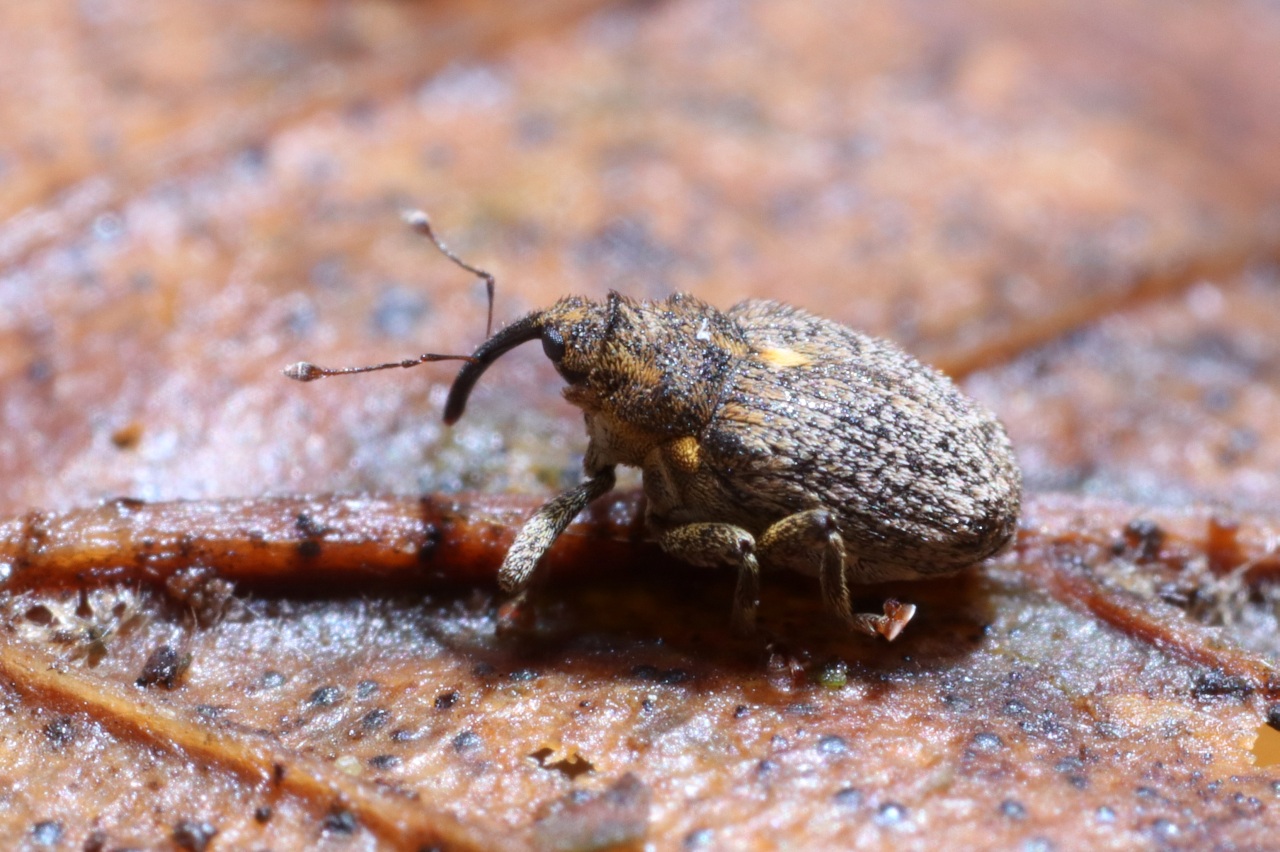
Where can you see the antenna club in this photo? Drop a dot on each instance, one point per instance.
(417, 219)
(303, 371)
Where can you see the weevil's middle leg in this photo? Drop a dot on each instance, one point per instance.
(711, 545)
(541, 530)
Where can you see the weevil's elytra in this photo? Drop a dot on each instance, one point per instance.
(768, 438)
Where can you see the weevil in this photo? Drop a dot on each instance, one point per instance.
(768, 438)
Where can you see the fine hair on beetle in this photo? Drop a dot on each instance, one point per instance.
(767, 437)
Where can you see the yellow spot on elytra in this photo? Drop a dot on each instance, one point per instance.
(784, 358)
(685, 454)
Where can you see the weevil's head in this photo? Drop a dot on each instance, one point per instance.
(652, 366)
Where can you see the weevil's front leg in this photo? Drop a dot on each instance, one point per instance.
(537, 534)
(710, 545)
(810, 542)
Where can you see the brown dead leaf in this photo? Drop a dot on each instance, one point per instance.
(1074, 206)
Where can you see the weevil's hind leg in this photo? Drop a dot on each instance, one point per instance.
(710, 545)
(810, 542)
(538, 533)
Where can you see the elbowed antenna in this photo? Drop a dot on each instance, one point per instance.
(521, 331)
(304, 371)
(420, 222)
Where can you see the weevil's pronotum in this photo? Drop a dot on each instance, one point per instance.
(768, 438)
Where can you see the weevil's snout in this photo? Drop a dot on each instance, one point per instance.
(571, 332)
(521, 331)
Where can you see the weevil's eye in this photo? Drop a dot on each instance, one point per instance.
(553, 344)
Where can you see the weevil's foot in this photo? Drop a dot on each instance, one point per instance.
(515, 615)
(896, 615)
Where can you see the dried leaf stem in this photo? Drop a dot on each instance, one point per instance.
(327, 543)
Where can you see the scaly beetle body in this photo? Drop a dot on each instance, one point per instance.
(768, 439)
